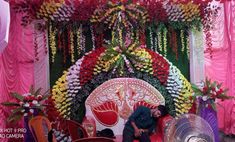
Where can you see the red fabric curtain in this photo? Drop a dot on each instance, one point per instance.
(221, 66)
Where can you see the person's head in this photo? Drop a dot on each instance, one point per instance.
(159, 111)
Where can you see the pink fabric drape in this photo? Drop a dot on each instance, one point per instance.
(41, 66)
(221, 67)
(16, 64)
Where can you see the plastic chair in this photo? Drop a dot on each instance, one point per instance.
(89, 124)
(76, 130)
(39, 127)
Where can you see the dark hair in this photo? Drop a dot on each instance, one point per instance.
(105, 133)
(163, 110)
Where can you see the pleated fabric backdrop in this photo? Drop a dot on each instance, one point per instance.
(221, 66)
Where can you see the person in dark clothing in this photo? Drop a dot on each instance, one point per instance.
(141, 123)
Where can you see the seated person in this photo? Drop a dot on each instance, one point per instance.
(141, 123)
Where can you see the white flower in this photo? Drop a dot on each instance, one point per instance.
(31, 110)
(23, 110)
(25, 114)
(26, 105)
(38, 104)
(204, 98)
(34, 102)
(27, 94)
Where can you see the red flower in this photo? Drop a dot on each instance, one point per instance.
(220, 92)
(213, 88)
(30, 104)
(205, 89)
(39, 97)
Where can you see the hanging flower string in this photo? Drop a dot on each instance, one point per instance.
(165, 41)
(187, 46)
(151, 38)
(182, 41)
(78, 34)
(159, 41)
(126, 15)
(52, 42)
(72, 46)
(92, 37)
(174, 44)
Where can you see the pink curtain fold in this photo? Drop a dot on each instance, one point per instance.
(41, 64)
(221, 67)
(16, 64)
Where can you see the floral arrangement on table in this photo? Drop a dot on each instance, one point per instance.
(209, 92)
(28, 104)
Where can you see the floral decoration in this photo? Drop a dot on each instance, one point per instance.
(209, 92)
(27, 104)
(127, 15)
(79, 81)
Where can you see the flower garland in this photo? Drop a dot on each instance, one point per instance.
(151, 38)
(187, 46)
(182, 41)
(47, 9)
(72, 46)
(78, 34)
(126, 15)
(85, 70)
(92, 37)
(63, 13)
(59, 94)
(159, 41)
(52, 42)
(165, 41)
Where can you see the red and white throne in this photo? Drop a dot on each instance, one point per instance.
(113, 101)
